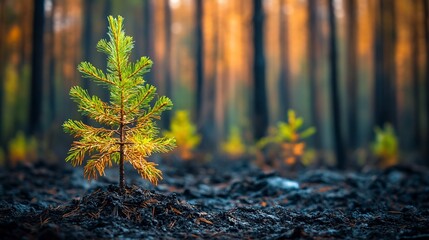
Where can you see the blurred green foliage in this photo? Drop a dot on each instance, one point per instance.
(22, 149)
(185, 133)
(288, 131)
(14, 107)
(385, 146)
(234, 145)
(287, 140)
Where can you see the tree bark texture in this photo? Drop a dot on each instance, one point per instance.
(335, 92)
(385, 79)
(36, 89)
(260, 107)
(283, 81)
(313, 70)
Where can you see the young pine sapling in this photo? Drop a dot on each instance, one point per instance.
(130, 132)
(185, 132)
(289, 138)
(385, 146)
(234, 146)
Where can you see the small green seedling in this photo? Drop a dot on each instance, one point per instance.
(290, 138)
(130, 132)
(385, 146)
(185, 133)
(22, 149)
(234, 146)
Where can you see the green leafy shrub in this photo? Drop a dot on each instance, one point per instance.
(185, 133)
(385, 146)
(234, 145)
(286, 141)
(22, 149)
(130, 133)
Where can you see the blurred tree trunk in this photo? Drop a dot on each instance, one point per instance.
(2, 30)
(283, 82)
(167, 58)
(2, 65)
(212, 88)
(220, 73)
(208, 111)
(20, 118)
(352, 74)
(199, 14)
(87, 42)
(51, 131)
(313, 75)
(25, 18)
(87, 36)
(260, 107)
(52, 64)
(147, 27)
(426, 86)
(414, 26)
(36, 88)
(385, 79)
(335, 98)
(106, 12)
(148, 32)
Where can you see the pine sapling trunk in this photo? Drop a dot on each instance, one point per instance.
(121, 157)
(121, 145)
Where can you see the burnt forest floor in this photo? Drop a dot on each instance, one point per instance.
(227, 200)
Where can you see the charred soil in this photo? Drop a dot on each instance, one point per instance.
(235, 201)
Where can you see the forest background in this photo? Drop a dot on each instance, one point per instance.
(345, 66)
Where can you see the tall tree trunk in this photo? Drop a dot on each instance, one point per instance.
(219, 75)
(414, 25)
(36, 88)
(390, 56)
(2, 30)
(199, 13)
(167, 59)
(3, 142)
(87, 42)
(211, 88)
(148, 32)
(351, 74)
(335, 98)
(107, 10)
(283, 81)
(313, 55)
(2, 65)
(385, 86)
(52, 65)
(147, 27)
(104, 93)
(50, 84)
(87, 36)
(260, 107)
(208, 115)
(426, 30)
(378, 78)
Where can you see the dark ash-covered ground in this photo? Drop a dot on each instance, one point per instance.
(235, 201)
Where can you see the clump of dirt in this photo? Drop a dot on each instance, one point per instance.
(106, 213)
